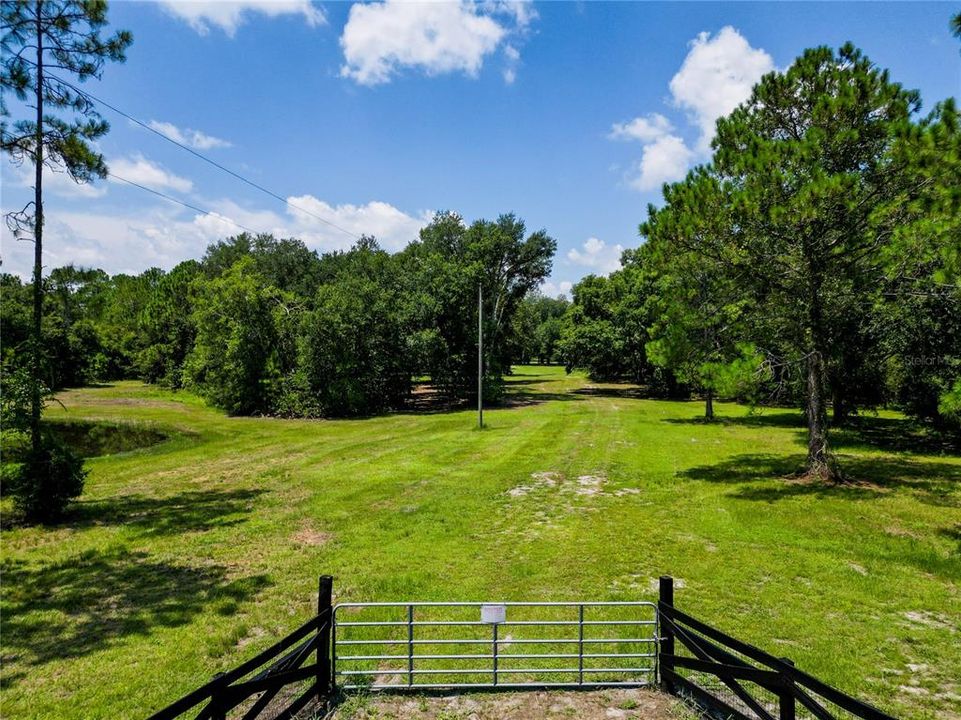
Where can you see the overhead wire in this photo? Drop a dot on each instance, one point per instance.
(208, 160)
(146, 126)
(208, 213)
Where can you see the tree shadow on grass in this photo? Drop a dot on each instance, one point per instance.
(894, 435)
(191, 511)
(770, 478)
(621, 392)
(525, 398)
(861, 432)
(952, 532)
(519, 380)
(760, 419)
(431, 402)
(98, 598)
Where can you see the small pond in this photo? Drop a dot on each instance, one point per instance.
(94, 439)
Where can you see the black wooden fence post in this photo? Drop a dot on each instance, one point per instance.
(665, 651)
(786, 703)
(217, 707)
(325, 617)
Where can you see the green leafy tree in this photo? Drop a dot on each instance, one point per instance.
(537, 327)
(42, 39)
(285, 263)
(441, 274)
(166, 328)
(15, 320)
(592, 339)
(75, 348)
(606, 327)
(805, 166)
(352, 358)
(919, 319)
(699, 312)
(547, 339)
(126, 298)
(352, 347)
(241, 353)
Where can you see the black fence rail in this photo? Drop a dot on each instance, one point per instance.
(731, 679)
(261, 687)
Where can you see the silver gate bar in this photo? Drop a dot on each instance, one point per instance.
(495, 643)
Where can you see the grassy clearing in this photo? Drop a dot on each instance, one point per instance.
(187, 556)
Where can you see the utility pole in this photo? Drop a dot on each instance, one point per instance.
(480, 356)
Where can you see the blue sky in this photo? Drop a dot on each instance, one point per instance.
(569, 114)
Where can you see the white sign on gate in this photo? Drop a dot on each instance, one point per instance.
(493, 613)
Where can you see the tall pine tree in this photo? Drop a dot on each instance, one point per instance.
(47, 45)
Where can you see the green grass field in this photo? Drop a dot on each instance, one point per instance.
(185, 557)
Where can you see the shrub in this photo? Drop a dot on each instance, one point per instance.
(45, 482)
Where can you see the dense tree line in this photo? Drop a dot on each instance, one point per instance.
(262, 325)
(537, 329)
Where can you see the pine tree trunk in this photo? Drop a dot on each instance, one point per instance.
(709, 405)
(819, 462)
(36, 396)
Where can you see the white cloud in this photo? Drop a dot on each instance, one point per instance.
(597, 255)
(512, 57)
(163, 234)
(228, 15)
(717, 75)
(645, 129)
(128, 241)
(552, 289)
(522, 12)
(142, 171)
(380, 39)
(186, 136)
(665, 157)
(664, 160)
(393, 228)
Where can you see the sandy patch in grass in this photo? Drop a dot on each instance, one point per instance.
(551, 496)
(589, 485)
(539, 481)
(255, 633)
(310, 536)
(935, 621)
(896, 531)
(615, 704)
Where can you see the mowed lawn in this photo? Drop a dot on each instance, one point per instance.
(186, 557)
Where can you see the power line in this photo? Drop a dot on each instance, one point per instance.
(203, 157)
(181, 202)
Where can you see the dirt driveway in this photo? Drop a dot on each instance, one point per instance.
(617, 704)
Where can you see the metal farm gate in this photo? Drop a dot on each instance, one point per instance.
(451, 645)
(425, 645)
